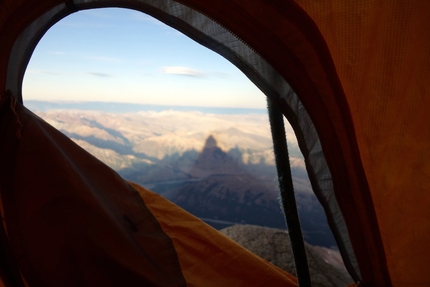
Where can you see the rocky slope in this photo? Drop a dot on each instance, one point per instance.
(325, 266)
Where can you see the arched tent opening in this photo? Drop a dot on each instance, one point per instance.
(356, 113)
(88, 66)
(209, 33)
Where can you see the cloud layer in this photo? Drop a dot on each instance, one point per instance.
(183, 71)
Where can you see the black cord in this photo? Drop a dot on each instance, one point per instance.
(289, 205)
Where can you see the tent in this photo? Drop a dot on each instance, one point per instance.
(350, 76)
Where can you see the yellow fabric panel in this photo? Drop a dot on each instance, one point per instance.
(207, 257)
(381, 50)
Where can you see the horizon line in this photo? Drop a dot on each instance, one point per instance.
(121, 107)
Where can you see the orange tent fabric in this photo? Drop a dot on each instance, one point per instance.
(382, 53)
(228, 264)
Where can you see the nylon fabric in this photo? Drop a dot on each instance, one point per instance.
(384, 66)
(207, 257)
(71, 220)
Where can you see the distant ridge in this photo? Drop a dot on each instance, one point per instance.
(111, 107)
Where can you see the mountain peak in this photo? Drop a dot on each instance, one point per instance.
(210, 143)
(213, 159)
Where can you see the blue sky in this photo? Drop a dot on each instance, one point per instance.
(119, 55)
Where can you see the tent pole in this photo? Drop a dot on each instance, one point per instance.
(289, 205)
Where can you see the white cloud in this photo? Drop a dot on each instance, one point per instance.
(185, 71)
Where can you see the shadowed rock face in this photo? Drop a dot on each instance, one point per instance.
(273, 245)
(213, 160)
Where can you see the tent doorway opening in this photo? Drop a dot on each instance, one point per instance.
(168, 114)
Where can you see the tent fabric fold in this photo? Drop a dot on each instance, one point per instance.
(66, 213)
(72, 221)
